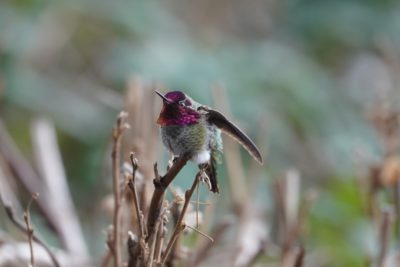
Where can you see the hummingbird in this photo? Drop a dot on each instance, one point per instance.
(191, 129)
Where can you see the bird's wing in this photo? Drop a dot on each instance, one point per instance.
(219, 120)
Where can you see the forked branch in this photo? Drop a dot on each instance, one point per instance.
(160, 184)
(21, 226)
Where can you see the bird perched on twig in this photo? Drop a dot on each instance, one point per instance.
(191, 129)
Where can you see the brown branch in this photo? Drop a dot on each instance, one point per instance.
(201, 233)
(116, 154)
(29, 229)
(21, 226)
(152, 244)
(137, 250)
(131, 184)
(175, 211)
(178, 229)
(133, 250)
(160, 184)
(160, 240)
(180, 226)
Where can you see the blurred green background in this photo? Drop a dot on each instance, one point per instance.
(307, 70)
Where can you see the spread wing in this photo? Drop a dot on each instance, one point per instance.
(219, 120)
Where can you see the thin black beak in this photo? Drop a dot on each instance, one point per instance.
(163, 97)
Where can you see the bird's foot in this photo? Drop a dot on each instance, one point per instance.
(204, 178)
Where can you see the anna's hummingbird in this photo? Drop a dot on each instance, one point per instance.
(189, 128)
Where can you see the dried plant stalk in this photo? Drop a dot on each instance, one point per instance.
(116, 154)
(180, 226)
(160, 184)
(131, 185)
(139, 250)
(21, 226)
(29, 228)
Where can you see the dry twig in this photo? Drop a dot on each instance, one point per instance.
(116, 151)
(160, 239)
(131, 184)
(201, 233)
(137, 250)
(180, 226)
(160, 184)
(29, 229)
(21, 226)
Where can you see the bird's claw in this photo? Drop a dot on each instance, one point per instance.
(204, 178)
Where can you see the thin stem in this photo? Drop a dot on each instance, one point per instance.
(201, 203)
(171, 242)
(29, 229)
(152, 244)
(19, 224)
(140, 251)
(160, 184)
(201, 233)
(160, 242)
(131, 185)
(116, 155)
(180, 225)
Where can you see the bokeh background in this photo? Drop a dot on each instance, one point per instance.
(302, 77)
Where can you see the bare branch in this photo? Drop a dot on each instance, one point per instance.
(21, 226)
(180, 226)
(160, 184)
(136, 249)
(116, 154)
(131, 184)
(29, 229)
(160, 239)
(152, 245)
(201, 233)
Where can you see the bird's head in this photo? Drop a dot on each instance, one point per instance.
(177, 109)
